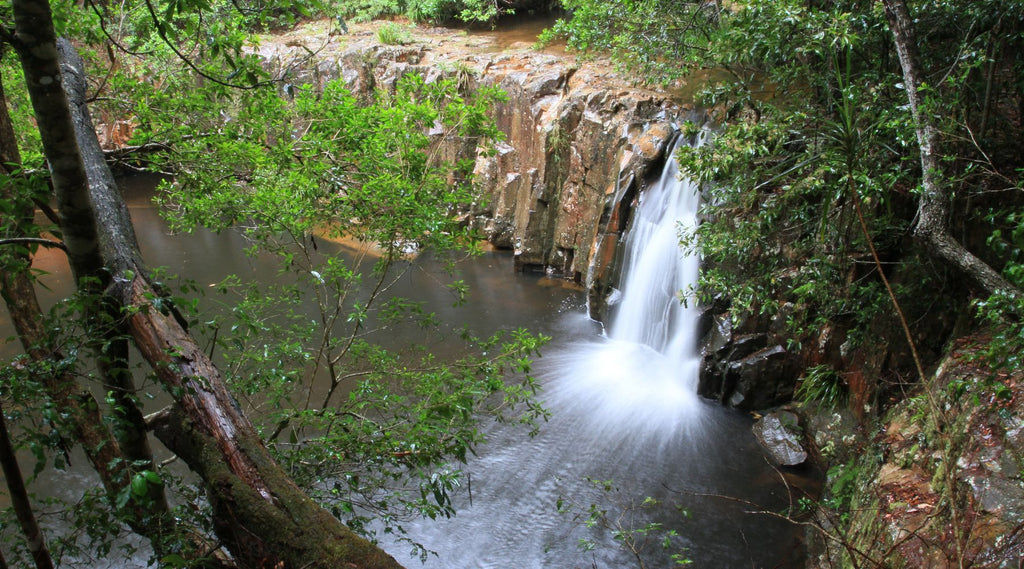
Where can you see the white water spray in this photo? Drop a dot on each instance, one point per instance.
(623, 408)
(657, 271)
(642, 378)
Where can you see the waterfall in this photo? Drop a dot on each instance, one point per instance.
(624, 408)
(641, 376)
(656, 271)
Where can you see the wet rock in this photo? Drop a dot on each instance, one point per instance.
(998, 495)
(718, 334)
(743, 371)
(903, 478)
(832, 432)
(760, 380)
(778, 434)
(745, 345)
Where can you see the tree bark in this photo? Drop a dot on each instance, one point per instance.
(932, 227)
(81, 419)
(262, 517)
(19, 500)
(112, 347)
(35, 42)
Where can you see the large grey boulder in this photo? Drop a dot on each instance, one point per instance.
(777, 433)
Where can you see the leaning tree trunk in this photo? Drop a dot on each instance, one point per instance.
(259, 513)
(932, 226)
(111, 345)
(36, 45)
(80, 418)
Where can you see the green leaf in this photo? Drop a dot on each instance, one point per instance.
(174, 560)
(139, 485)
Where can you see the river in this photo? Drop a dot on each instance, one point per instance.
(706, 477)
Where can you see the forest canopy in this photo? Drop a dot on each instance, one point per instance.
(865, 180)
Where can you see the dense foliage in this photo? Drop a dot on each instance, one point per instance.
(814, 125)
(298, 177)
(440, 11)
(840, 123)
(345, 193)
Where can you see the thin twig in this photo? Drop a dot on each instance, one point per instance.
(34, 241)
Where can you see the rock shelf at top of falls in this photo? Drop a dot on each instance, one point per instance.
(581, 139)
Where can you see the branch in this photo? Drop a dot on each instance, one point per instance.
(34, 241)
(932, 227)
(110, 37)
(184, 59)
(47, 210)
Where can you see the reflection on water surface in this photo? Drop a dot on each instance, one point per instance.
(606, 430)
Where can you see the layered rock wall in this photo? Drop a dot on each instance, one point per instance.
(581, 142)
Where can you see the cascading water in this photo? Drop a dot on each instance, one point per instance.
(642, 377)
(624, 410)
(657, 271)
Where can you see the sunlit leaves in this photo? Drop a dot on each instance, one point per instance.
(660, 39)
(424, 10)
(365, 172)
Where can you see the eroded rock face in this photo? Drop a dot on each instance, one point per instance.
(902, 481)
(581, 141)
(581, 145)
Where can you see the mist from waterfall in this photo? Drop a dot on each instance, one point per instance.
(641, 376)
(624, 410)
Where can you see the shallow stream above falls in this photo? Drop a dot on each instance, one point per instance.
(622, 430)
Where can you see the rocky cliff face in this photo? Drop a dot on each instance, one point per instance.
(938, 484)
(581, 142)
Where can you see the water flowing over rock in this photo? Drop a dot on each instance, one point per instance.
(642, 375)
(582, 145)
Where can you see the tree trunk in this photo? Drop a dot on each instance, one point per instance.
(932, 226)
(80, 419)
(262, 517)
(19, 500)
(112, 347)
(35, 42)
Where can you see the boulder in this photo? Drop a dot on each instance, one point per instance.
(777, 432)
(743, 370)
